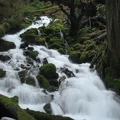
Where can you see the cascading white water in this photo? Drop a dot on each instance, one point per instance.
(83, 97)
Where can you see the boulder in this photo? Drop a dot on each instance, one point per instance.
(6, 45)
(4, 58)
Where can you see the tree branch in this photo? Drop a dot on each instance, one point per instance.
(63, 10)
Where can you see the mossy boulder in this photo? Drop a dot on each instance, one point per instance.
(6, 45)
(55, 46)
(22, 75)
(49, 71)
(2, 73)
(53, 29)
(43, 82)
(9, 107)
(30, 81)
(30, 36)
(32, 54)
(75, 57)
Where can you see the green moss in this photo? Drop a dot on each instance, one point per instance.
(6, 45)
(13, 109)
(49, 71)
(22, 75)
(75, 57)
(61, 50)
(43, 81)
(46, 116)
(2, 73)
(84, 57)
(32, 54)
(56, 46)
(30, 36)
(78, 47)
(30, 81)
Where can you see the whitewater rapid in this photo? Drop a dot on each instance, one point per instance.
(83, 97)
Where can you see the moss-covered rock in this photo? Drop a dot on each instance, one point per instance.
(30, 81)
(6, 45)
(2, 73)
(49, 71)
(75, 57)
(32, 54)
(46, 116)
(22, 75)
(43, 82)
(11, 109)
(30, 36)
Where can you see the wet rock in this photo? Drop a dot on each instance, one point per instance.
(4, 58)
(47, 108)
(67, 72)
(24, 45)
(30, 81)
(61, 79)
(45, 61)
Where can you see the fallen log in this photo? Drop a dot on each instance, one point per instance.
(95, 34)
(102, 36)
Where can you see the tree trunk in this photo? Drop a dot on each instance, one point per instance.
(74, 27)
(113, 30)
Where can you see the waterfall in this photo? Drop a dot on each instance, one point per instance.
(39, 33)
(61, 35)
(82, 96)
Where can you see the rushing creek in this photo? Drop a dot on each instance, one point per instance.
(83, 97)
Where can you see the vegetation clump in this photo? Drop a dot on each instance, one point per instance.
(49, 71)
(2, 73)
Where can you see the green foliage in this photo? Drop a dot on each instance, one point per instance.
(101, 10)
(77, 46)
(2, 73)
(49, 71)
(43, 82)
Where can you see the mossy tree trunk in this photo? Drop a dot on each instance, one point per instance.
(113, 30)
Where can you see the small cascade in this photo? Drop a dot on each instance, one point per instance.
(46, 44)
(39, 33)
(61, 35)
(66, 46)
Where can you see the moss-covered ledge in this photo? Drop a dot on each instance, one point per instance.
(10, 108)
(46, 116)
